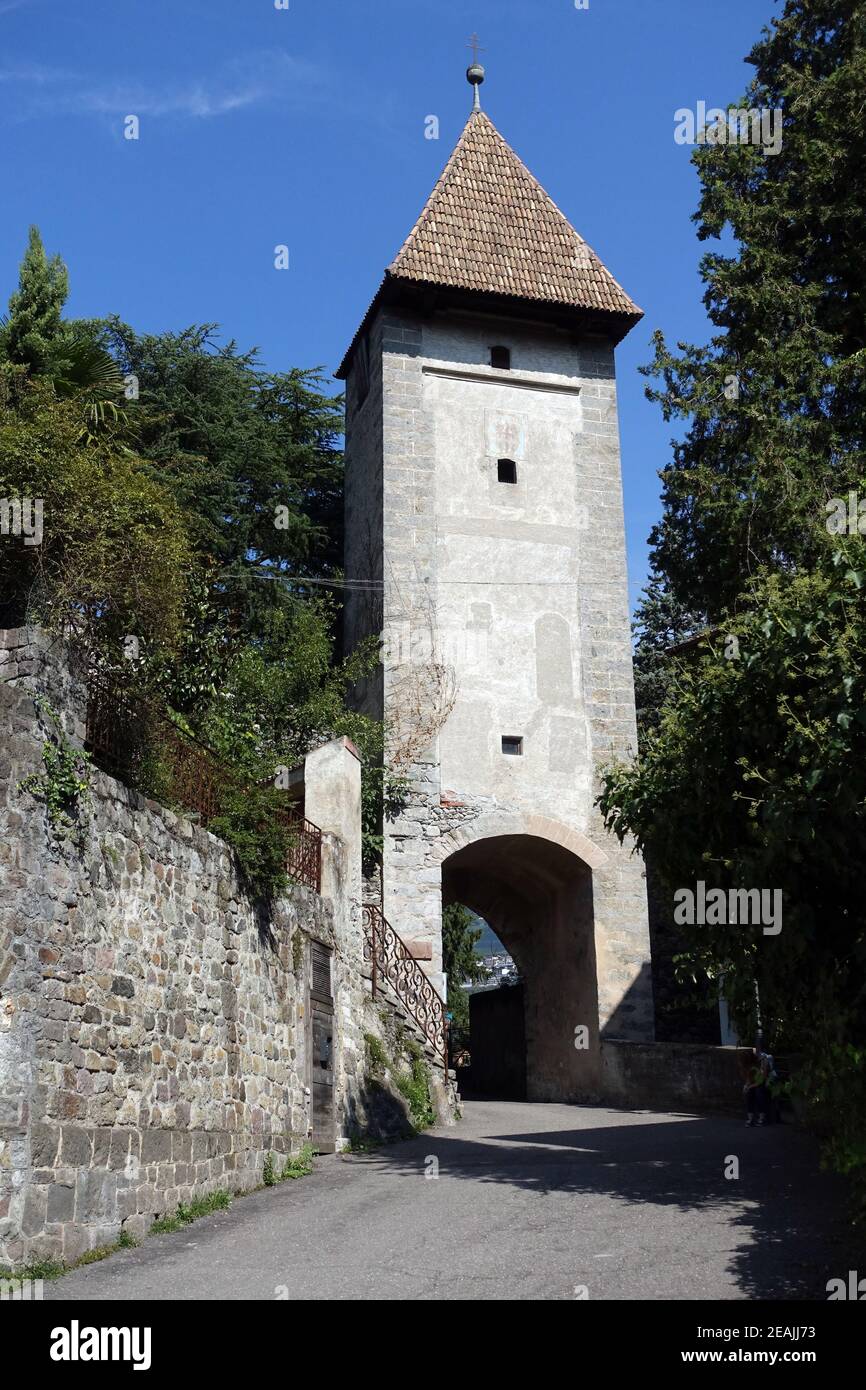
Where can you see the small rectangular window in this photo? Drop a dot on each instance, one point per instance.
(512, 746)
(507, 471)
(501, 357)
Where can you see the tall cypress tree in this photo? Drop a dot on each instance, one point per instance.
(35, 323)
(776, 402)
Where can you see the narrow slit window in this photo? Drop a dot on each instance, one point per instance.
(501, 357)
(506, 470)
(512, 746)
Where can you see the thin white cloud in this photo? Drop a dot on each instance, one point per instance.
(7, 5)
(34, 75)
(253, 80)
(196, 100)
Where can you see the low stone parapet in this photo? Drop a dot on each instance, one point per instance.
(671, 1076)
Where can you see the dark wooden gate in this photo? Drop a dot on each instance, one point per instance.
(497, 1042)
(321, 1052)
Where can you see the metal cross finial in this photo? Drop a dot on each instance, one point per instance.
(475, 45)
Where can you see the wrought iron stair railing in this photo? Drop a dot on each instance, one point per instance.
(392, 963)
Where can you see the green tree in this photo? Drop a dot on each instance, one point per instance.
(114, 555)
(660, 624)
(460, 961)
(775, 402)
(253, 456)
(253, 459)
(751, 766)
(30, 334)
(198, 513)
(70, 353)
(755, 778)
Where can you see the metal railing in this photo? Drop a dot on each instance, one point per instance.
(194, 777)
(115, 732)
(304, 863)
(392, 963)
(197, 780)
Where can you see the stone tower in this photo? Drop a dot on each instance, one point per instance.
(485, 543)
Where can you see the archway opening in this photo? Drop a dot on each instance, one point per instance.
(536, 896)
(477, 963)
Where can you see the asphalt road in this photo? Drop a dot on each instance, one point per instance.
(530, 1202)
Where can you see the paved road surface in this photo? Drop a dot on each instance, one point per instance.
(531, 1202)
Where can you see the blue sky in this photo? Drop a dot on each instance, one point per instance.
(305, 127)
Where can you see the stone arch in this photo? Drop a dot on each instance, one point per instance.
(502, 822)
(531, 879)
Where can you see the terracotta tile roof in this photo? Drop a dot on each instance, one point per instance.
(489, 225)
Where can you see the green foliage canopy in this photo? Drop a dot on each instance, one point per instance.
(252, 456)
(751, 771)
(186, 513)
(775, 402)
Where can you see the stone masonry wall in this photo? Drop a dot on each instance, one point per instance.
(153, 1027)
(150, 1047)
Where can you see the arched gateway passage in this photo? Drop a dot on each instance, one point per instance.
(537, 895)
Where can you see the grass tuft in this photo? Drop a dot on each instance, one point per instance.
(298, 1165)
(187, 1212)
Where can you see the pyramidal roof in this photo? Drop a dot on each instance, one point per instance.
(489, 225)
(489, 228)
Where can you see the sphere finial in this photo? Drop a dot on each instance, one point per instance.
(475, 72)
